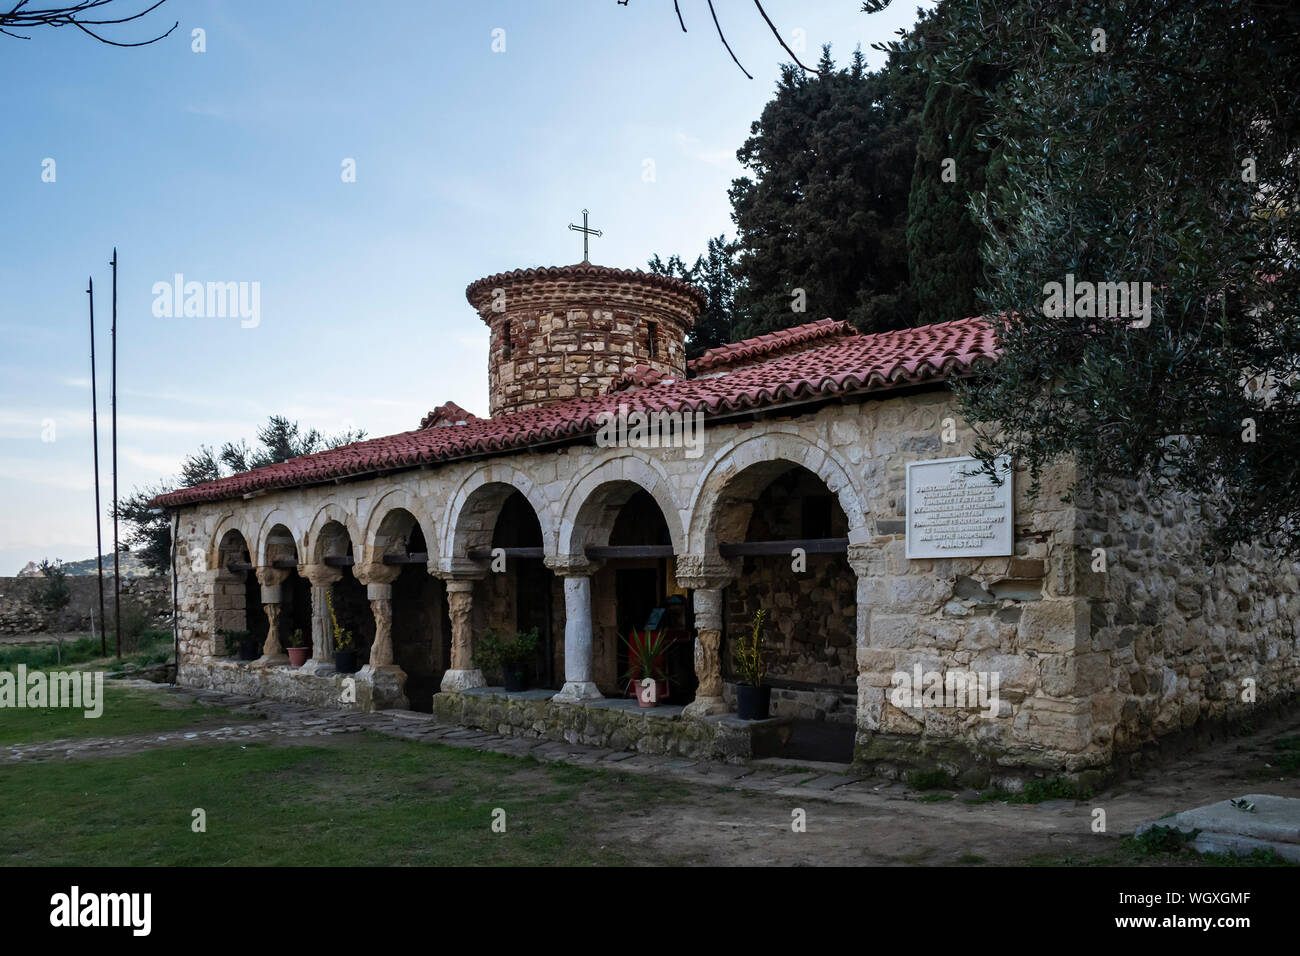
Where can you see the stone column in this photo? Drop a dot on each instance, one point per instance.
(460, 602)
(378, 579)
(578, 640)
(387, 680)
(272, 581)
(875, 665)
(707, 605)
(706, 578)
(322, 578)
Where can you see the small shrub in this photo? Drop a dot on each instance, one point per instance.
(1038, 791)
(1161, 839)
(56, 594)
(931, 780)
(135, 622)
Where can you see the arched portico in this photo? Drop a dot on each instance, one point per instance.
(772, 519)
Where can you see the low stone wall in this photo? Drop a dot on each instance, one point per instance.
(21, 611)
(614, 723)
(363, 691)
(806, 703)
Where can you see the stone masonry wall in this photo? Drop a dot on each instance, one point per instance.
(21, 612)
(1175, 643)
(572, 330)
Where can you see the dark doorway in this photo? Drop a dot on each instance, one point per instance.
(638, 593)
(518, 527)
(533, 610)
(823, 740)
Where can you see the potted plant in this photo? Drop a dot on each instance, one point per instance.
(345, 648)
(511, 657)
(299, 648)
(753, 697)
(240, 644)
(645, 662)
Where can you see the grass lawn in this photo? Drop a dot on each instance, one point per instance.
(125, 712)
(351, 799)
(149, 647)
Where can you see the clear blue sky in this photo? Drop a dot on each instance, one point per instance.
(225, 166)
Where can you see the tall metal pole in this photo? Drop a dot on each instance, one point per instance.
(117, 573)
(94, 432)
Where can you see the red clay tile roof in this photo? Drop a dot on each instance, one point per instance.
(843, 364)
(476, 290)
(769, 345)
(448, 413)
(638, 376)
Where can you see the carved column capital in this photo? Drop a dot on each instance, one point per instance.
(320, 575)
(450, 569)
(571, 565)
(376, 573)
(706, 572)
(270, 577)
(861, 558)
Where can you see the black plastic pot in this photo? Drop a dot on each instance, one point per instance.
(752, 702)
(248, 650)
(515, 679)
(345, 662)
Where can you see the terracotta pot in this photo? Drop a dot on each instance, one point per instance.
(661, 693)
(298, 655)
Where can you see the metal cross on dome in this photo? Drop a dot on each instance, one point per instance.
(585, 233)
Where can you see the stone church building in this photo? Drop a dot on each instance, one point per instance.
(791, 498)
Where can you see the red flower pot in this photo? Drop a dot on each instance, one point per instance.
(298, 656)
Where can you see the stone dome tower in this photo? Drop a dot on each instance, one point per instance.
(569, 331)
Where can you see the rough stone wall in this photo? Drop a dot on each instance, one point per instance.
(811, 630)
(571, 331)
(21, 612)
(1174, 643)
(1018, 617)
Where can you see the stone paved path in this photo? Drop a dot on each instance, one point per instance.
(1195, 780)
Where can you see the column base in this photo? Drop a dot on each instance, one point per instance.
(387, 686)
(455, 680)
(272, 660)
(318, 668)
(574, 691)
(705, 707)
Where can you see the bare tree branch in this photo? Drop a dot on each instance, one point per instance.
(23, 17)
(777, 33)
(724, 40)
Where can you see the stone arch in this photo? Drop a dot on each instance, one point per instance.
(315, 546)
(472, 512)
(229, 522)
(391, 519)
(270, 535)
(742, 468)
(594, 496)
(232, 594)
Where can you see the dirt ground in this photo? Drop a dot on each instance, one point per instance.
(736, 816)
(893, 826)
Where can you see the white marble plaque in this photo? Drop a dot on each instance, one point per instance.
(954, 510)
